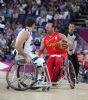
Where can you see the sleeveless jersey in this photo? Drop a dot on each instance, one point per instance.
(28, 46)
(52, 44)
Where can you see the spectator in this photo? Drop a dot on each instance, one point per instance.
(85, 52)
(86, 23)
(2, 24)
(2, 40)
(37, 40)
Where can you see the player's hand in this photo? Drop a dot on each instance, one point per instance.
(28, 60)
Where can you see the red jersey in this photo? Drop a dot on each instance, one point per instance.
(52, 44)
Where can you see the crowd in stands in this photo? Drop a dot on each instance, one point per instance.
(13, 14)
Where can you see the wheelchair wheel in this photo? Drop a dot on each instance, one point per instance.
(20, 77)
(71, 74)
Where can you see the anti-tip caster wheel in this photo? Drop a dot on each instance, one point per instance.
(44, 89)
(48, 88)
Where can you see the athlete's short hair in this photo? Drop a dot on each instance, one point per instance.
(30, 22)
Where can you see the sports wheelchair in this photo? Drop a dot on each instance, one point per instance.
(21, 76)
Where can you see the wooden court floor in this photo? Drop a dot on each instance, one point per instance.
(62, 92)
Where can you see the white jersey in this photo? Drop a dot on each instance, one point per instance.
(28, 46)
